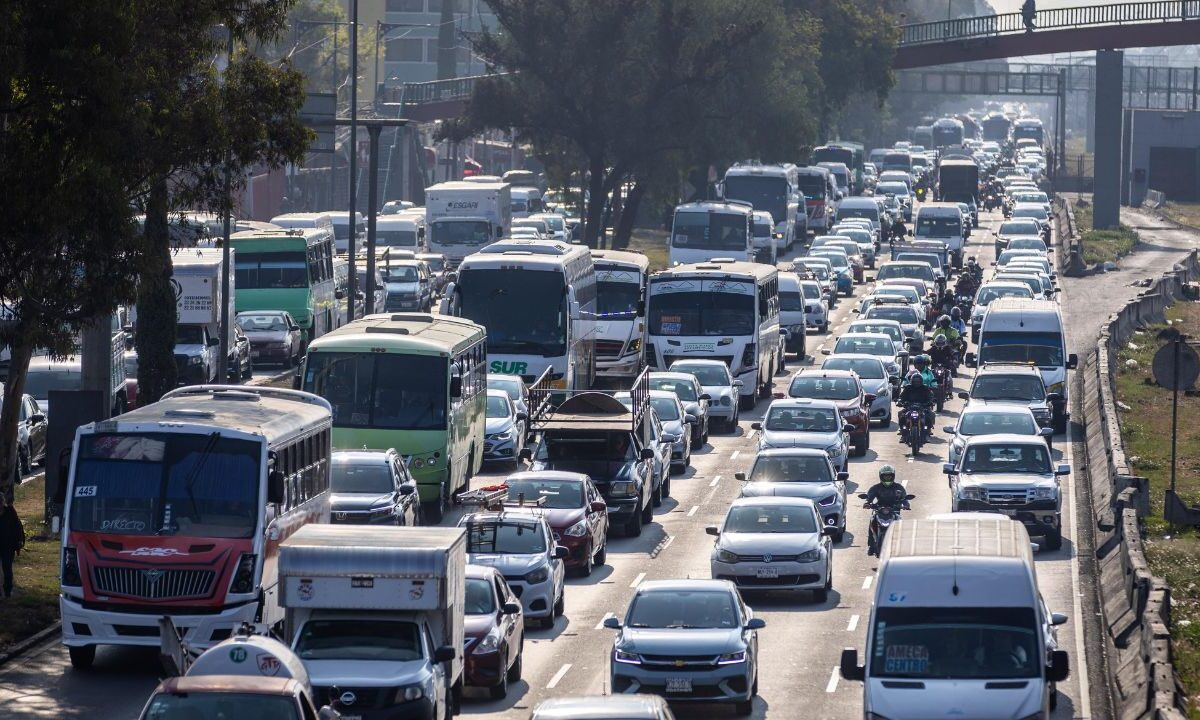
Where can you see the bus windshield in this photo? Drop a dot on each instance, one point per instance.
(257, 270)
(1041, 349)
(709, 231)
(524, 311)
(615, 299)
(381, 390)
(764, 192)
(187, 484)
(956, 642)
(938, 226)
(702, 313)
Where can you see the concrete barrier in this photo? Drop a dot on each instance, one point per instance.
(1136, 606)
(1069, 254)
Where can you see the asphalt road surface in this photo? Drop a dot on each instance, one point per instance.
(802, 642)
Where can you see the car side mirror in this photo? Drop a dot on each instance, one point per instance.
(1060, 666)
(407, 489)
(970, 360)
(847, 427)
(561, 552)
(706, 396)
(599, 506)
(869, 398)
(612, 623)
(293, 327)
(213, 342)
(1062, 469)
(948, 429)
(647, 453)
(783, 332)
(825, 351)
(275, 487)
(964, 395)
(843, 476)
(756, 426)
(522, 416)
(712, 530)
(1058, 618)
(444, 654)
(339, 294)
(511, 608)
(37, 418)
(910, 496)
(948, 469)
(739, 476)
(1072, 359)
(690, 419)
(756, 624)
(525, 454)
(849, 667)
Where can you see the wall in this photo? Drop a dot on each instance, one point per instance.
(1155, 128)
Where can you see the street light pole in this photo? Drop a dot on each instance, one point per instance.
(226, 254)
(352, 242)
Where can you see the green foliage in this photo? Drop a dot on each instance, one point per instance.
(318, 46)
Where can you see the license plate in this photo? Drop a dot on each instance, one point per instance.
(1007, 511)
(351, 717)
(767, 572)
(254, 353)
(679, 685)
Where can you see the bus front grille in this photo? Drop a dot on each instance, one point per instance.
(152, 583)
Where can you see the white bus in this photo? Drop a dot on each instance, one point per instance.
(620, 312)
(178, 509)
(537, 299)
(720, 310)
(770, 188)
(705, 230)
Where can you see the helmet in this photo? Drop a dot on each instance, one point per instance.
(887, 474)
(944, 321)
(940, 341)
(916, 380)
(919, 361)
(971, 260)
(956, 312)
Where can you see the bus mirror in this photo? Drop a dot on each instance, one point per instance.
(456, 387)
(275, 487)
(339, 294)
(641, 307)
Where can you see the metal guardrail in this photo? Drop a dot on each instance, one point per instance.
(985, 26)
(433, 91)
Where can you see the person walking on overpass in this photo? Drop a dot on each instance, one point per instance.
(1028, 13)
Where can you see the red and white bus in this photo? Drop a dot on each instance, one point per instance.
(178, 509)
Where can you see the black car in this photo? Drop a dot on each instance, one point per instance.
(372, 487)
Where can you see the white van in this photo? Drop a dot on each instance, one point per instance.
(942, 222)
(1029, 331)
(958, 627)
(793, 317)
(526, 201)
(404, 231)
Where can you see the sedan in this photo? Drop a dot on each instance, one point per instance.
(577, 514)
(31, 435)
(695, 401)
(493, 632)
(504, 429)
(803, 473)
(372, 487)
(274, 336)
(877, 344)
(774, 543)
(719, 385)
(873, 375)
(806, 423)
(844, 389)
(676, 425)
(514, 387)
(992, 419)
(240, 366)
(1009, 230)
(687, 640)
(590, 707)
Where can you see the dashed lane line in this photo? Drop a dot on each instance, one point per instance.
(850, 627)
(607, 615)
(867, 582)
(833, 680)
(638, 580)
(693, 510)
(562, 671)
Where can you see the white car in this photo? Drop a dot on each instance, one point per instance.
(774, 543)
(876, 344)
(891, 328)
(804, 422)
(504, 429)
(721, 387)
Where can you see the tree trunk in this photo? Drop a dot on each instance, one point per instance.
(10, 413)
(154, 336)
(593, 232)
(624, 228)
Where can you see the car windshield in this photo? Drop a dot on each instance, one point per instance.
(512, 387)
(348, 639)
(683, 389)
(903, 314)
(823, 388)
(837, 260)
(956, 642)
(909, 270)
(893, 332)
(39, 383)
(1023, 388)
(220, 705)
(1027, 244)
(683, 609)
(558, 494)
(801, 419)
(375, 478)
(400, 274)
(992, 423)
(770, 519)
(863, 367)
(811, 291)
(496, 537)
(1006, 458)
(988, 294)
(892, 188)
(481, 597)
(497, 407)
(708, 375)
(774, 468)
(1043, 349)
(189, 334)
(262, 323)
(1030, 212)
(666, 408)
(864, 346)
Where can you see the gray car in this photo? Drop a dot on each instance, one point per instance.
(803, 422)
(604, 707)
(676, 425)
(688, 640)
(372, 487)
(774, 543)
(873, 375)
(504, 429)
(695, 401)
(1013, 384)
(804, 473)
(719, 384)
(991, 419)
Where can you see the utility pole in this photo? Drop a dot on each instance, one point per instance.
(353, 239)
(226, 259)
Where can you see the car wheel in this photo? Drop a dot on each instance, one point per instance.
(838, 535)
(823, 327)
(704, 434)
(82, 657)
(861, 447)
(500, 690)
(746, 402)
(514, 672)
(648, 511)
(588, 563)
(1054, 540)
(559, 605)
(744, 708)
(634, 528)
(602, 554)
(665, 490)
(656, 498)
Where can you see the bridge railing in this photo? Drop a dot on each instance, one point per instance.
(984, 26)
(434, 91)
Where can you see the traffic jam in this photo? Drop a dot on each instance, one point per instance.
(815, 466)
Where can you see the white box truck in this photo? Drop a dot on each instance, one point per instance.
(377, 613)
(196, 279)
(461, 217)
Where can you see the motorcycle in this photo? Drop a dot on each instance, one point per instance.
(882, 518)
(916, 431)
(943, 386)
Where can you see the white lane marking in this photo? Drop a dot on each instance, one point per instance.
(1085, 693)
(637, 580)
(734, 455)
(558, 676)
(607, 615)
(833, 680)
(715, 480)
(666, 543)
(693, 510)
(867, 583)
(853, 623)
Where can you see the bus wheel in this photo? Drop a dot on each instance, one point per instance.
(82, 657)
(436, 510)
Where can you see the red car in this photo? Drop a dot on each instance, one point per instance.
(574, 509)
(844, 388)
(494, 631)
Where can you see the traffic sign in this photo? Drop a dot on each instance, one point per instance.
(1168, 375)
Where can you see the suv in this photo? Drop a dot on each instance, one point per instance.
(1012, 475)
(593, 433)
(1021, 384)
(372, 487)
(520, 544)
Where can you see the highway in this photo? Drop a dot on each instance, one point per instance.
(802, 642)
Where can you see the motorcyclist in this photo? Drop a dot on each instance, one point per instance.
(967, 285)
(920, 368)
(942, 353)
(945, 327)
(899, 232)
(956, 321)
(974, 268)
(917, 392)
(887, 492)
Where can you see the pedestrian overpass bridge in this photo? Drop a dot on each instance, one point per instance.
(1154, 23)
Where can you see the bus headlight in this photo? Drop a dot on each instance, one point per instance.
(635, 345)
(243, 577)
(70, 567)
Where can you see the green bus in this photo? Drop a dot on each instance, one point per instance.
(415, 382)
(288, 270)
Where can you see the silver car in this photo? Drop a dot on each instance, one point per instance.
(695, 401)
(690, 640)
(520, 544)
(591, 707)
(722, 388)
(877, 344)
(802, 422)
(676, 424)
(514, 386)
(804, 473)
(504, 429)
(774, 543)
(873, 375)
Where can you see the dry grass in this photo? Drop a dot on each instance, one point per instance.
(652, 244)
(1174, 553)
(1182, 213)
(1101, 246)
(34, 604)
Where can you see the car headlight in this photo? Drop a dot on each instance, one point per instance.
(850, 413)
(579, 529)
(970, 493)
(500, 435)
(622, 656)
(383, 511)
(732, 658)
(488, 644)
(725, 400)
(726, 557)
(827, 501)
(537, 576)
(834, 449)
(195, 360)
(623, 488)
(1045, 493)
(809, 556)
(409, 693)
